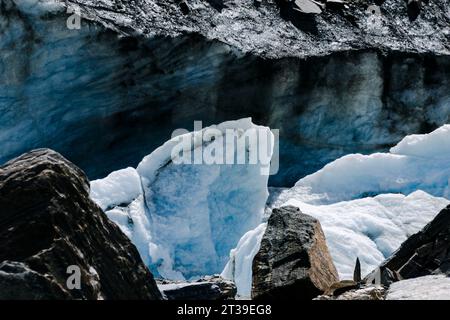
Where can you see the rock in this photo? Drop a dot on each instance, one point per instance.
(18, 281)
(335, 4)
(341, 287)
(414, 7)
(293, 261)
(357, 271)
(424, 253)
(51, 232)
(217, 4)
(207, 288)
(365, 293)
(184, 7)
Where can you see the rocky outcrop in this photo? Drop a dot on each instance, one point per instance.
(207, 288)
(56, 243)
(424, 253)
(293, 261)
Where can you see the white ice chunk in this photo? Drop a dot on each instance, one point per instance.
(119, 188)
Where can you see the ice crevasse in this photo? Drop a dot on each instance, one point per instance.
(367, 204)
(185, 217)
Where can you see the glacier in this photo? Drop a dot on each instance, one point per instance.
(185, 218)
(405, 189)
(97, 91)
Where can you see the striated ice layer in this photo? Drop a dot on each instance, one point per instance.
(187, 217)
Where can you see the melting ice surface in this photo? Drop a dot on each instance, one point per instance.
(185, 218)
(411, 184)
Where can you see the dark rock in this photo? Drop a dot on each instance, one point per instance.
(217, 4)
(357, 271)
(48, 223)
(335, 4)
(18, 281)
(414, 7)
(184, 6)
(293, 261)
(424, 253)
(207, 288)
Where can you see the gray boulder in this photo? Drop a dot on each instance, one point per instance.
(293, 261)
(207, 288)
(424, 253)
(56, 243)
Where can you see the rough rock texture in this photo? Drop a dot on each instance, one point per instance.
(266, 32)
(207, 288)
(293, 261)
(341, 287)
(359, 83)
(364, 293)
(424, 253)
(48, 223)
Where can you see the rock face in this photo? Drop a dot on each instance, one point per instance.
(424, 253)
(207, 288)
(50, 230)
(341, 86)
(293, 261)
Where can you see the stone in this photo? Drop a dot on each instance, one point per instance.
(357, 271)
(341, 287)
(293, 261)
(206, 288)
(424, 253)
(370, 292)
(51, 232)
(184, 7)
(414, 8)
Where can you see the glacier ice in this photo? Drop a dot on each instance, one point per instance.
(367, 205)
(370, 228)
(418, 162)
(185, 218)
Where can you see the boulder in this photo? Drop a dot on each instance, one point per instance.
(293, 261)
(424, 253)
(56, 243)
(207, 288)
(369, 292)
(341, 287)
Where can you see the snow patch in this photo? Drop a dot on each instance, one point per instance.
(435, 287)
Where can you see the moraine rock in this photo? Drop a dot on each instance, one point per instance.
(48, 223)
(293, 261)
(424, 253)
(207, 288)
(370, 292)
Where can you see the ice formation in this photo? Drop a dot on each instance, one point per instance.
(418, 162)
(370, 228)
(423, 288)
(185, 218)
